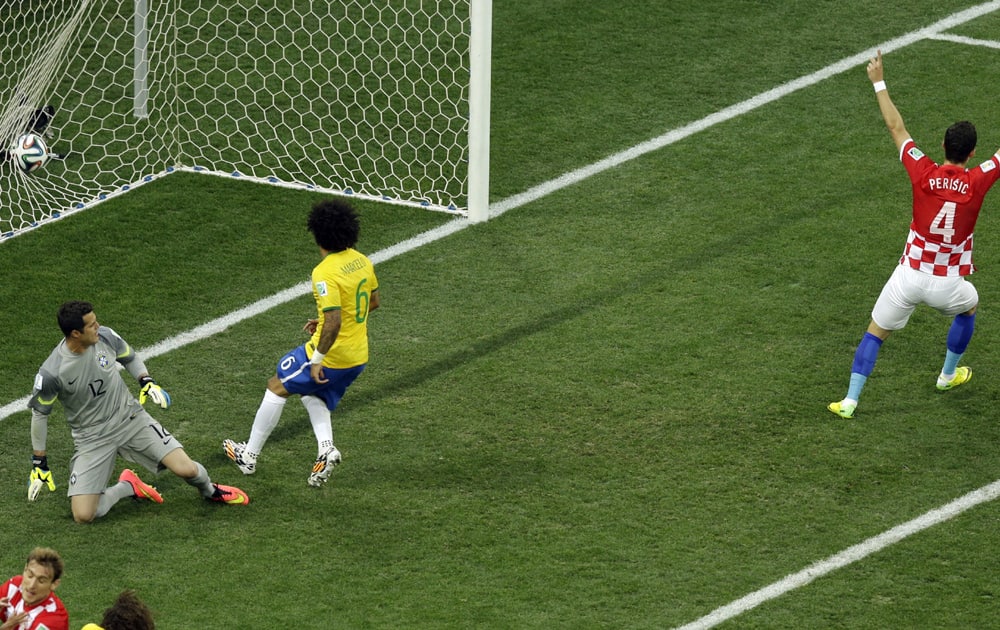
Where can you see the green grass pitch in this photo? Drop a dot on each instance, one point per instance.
(605, 408)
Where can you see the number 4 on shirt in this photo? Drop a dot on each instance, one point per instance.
(944, 221)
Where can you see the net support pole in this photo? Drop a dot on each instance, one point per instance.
(480, 45)
(141, 59)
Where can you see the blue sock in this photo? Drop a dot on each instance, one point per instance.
(864, 363)
(950, 362)
(857, 383)
(959, 335)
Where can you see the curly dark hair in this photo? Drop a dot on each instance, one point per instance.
(71, 314)
(128, 613)
(959, 141)
(334, 224)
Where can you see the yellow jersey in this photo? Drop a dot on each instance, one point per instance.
(344, 281)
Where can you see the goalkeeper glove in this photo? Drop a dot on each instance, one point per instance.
(40, 476)
(149, 389)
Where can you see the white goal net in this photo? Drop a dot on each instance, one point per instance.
(358, 97)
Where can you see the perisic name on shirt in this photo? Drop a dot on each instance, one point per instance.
(947, 183)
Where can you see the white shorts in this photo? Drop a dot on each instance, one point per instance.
(907, 287)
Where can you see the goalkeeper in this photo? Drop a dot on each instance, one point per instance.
(106, 421)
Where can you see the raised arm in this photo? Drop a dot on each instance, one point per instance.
(889, 112)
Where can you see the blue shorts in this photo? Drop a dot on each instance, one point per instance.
(293, 372)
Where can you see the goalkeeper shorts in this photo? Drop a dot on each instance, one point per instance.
(139, 439)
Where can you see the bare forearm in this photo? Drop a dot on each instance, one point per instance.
(891, 115)
(327, 337)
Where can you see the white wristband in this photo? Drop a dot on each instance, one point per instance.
(879, 86)
(317, 357)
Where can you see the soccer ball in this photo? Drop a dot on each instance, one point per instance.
(30, 153)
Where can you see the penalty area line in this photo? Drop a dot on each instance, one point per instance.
(969, 41)
(848, 556)
(739, 109)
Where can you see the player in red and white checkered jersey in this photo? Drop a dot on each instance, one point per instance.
(28, 601)
(938, 253)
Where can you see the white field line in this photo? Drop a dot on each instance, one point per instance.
(959, 39)
(846, 557)
(563, 181)
(934, 517)
(222, 323)
(850, 63)
(807, 575)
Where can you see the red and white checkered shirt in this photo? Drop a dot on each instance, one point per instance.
(946, 204)
(48, 614)
(938, 259)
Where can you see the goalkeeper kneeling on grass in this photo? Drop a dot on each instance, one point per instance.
(106, 421)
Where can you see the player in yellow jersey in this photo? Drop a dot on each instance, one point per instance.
(346, 291)
(127, 613)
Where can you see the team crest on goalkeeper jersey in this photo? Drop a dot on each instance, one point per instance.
(321, 288)
(102, 360)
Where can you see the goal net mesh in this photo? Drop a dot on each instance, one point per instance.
(355, 97)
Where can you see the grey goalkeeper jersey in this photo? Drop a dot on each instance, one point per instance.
(89, 385)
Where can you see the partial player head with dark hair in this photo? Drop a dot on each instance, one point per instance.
(40, 120)
(334, 224)
(71, 316)
(959, 142)
(47, 558)
(128, 613)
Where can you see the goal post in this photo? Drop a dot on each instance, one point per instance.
(140, 59)
(481, 47)
(384, 100)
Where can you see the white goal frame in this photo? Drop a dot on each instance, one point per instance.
(127, 152)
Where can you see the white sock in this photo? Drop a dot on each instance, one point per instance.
(264, 422)
(319, 416)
